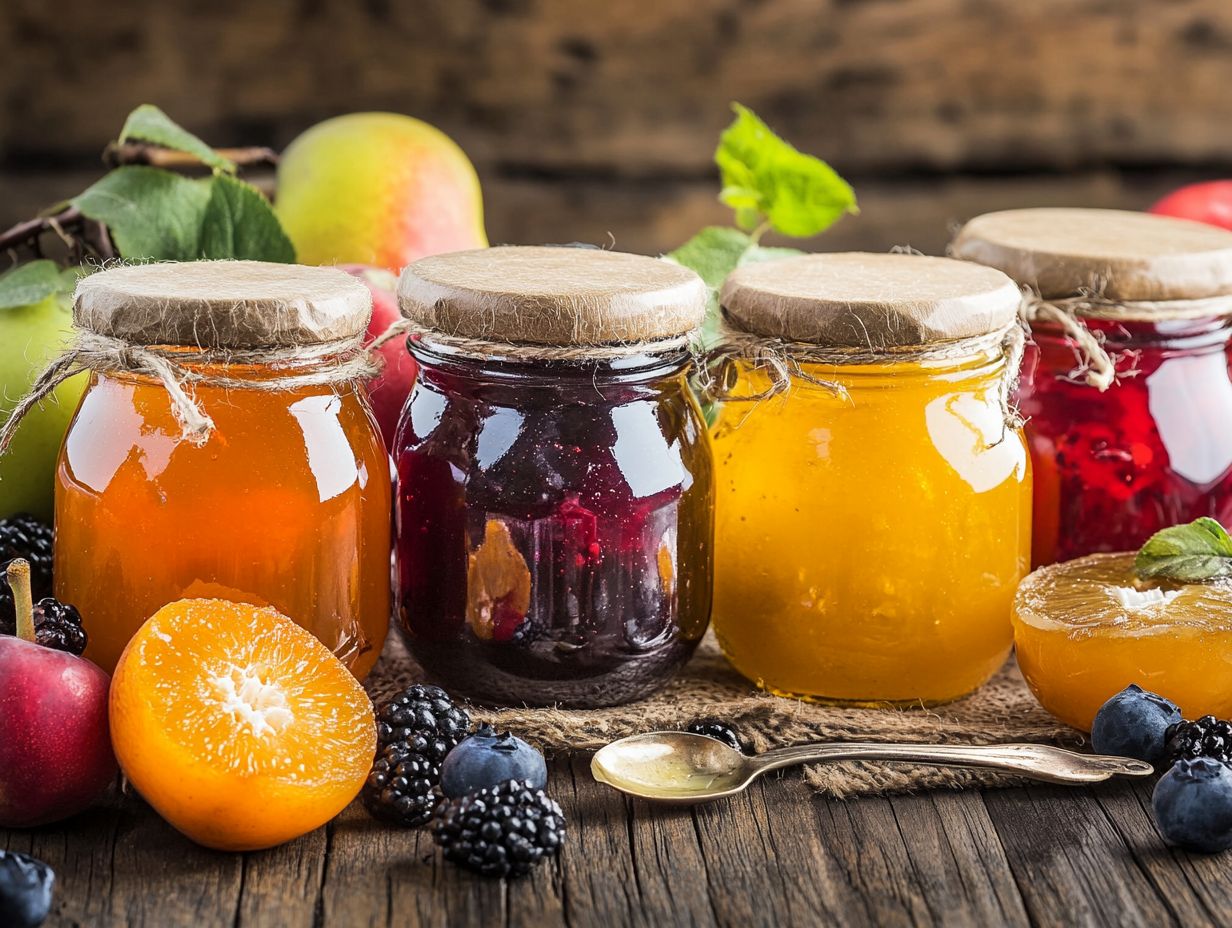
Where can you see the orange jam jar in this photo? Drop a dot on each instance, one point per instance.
(872, 485)
(224, 448)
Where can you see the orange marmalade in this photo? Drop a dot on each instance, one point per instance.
(285, 502)
(873, 490)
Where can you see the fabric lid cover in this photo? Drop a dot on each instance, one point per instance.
(223, 304)
(1115, 254)
(544, 295)
(873, 301)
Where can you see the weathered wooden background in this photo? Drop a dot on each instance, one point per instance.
(590, 118)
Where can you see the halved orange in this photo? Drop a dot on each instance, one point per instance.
(239, 727)
(1086, 629)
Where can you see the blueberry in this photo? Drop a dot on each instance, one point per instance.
(25, 890)
(1134, 723)
(486, 759)
(1193, 805)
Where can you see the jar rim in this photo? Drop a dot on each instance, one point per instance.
(629, 367)
(1199, 332)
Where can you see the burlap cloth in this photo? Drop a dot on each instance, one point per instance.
(1003, 710)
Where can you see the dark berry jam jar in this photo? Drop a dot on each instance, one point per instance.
(555, 490)
(1127, 385)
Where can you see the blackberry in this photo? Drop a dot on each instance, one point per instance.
(425, 720)
(24, 536)
(402, 787)
(719, 731)
(58, 625)
(1206, 737)
(500, 831)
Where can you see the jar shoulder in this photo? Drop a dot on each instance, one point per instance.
(624, 444)
(125, 430)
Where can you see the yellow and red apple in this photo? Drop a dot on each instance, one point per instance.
(380, 189)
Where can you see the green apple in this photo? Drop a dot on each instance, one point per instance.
(30, 336)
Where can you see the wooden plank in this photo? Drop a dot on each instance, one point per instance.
(1197, 887)
(629, 88)
(1072, 863)
(122, 865)
(958, 859)
(777, 855)
(769, 840)
(280, 887)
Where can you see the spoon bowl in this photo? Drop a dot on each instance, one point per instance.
(673, 766)
(683, 768)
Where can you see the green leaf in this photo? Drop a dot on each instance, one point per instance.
(152, 214)
(240, 223)
(31, 283)
(1195, 553)
(715, 252)
(147, 123)
(764, 176)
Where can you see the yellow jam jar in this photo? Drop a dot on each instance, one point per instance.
(873, 488)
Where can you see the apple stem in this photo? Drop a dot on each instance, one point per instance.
(23, 601)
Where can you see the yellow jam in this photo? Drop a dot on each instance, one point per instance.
(868, 545)
(1086, 629)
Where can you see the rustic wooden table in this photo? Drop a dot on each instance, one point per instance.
(777, 856)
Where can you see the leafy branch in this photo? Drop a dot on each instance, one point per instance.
(147, 209)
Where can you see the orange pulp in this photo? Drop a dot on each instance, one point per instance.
(238, 726)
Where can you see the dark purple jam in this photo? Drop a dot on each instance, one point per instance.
(555, 526)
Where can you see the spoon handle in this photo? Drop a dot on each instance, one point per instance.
(1037, 761)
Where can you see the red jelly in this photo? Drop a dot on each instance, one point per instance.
(554, 514)
(1155, 449)
(1127, 387)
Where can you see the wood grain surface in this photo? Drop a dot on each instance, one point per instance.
(776, 856)
(588, 119)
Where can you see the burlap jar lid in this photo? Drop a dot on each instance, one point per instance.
(549, 296)
(223, 304)
(1115, 254)
(871, 301)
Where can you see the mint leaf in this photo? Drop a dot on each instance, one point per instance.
(798, 195)
(147, 123)
(30, 283)
(152, 214)
(1195, 553)
(712, 253)
(239, 223)
(715, 252)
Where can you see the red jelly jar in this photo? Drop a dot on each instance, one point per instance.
(1127, 385)
(555, 491)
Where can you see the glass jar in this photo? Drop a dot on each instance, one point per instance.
(554, 515)
(873, 518)
(1126, 388)
(286, 502)
(1153, 450)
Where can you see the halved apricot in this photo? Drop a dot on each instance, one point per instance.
(239, 727)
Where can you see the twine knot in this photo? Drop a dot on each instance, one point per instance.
(181, 370)
(782, 361)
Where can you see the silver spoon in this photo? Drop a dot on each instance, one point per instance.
(683, 768)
